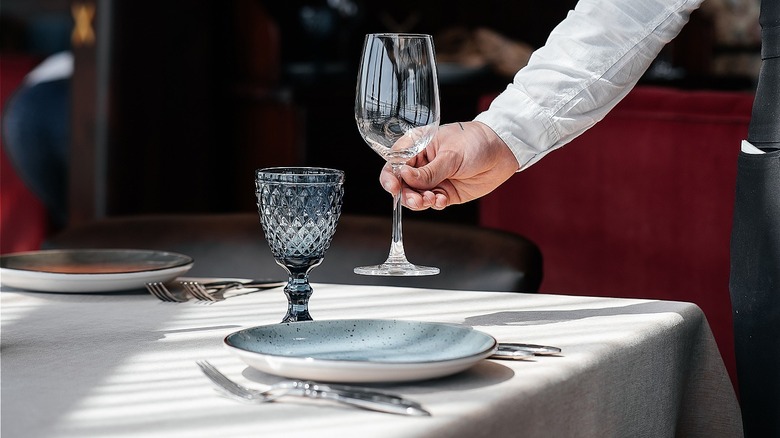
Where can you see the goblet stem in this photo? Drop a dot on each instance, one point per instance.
(298, 291)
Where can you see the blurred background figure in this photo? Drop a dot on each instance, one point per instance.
(35, 124)
(36, 133)
(481, 48)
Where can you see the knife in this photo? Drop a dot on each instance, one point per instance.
(359, 397)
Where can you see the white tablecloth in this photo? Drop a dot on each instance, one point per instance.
(99, 365)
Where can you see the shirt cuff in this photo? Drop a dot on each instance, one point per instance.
(522, 125)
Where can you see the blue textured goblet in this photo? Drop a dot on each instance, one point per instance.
(299, 209)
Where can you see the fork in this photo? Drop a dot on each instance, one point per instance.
(202, 293)
(161, 291)
(233, 389)
(349, 395)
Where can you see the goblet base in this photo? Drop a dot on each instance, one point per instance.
(297, 318)
(404, 269)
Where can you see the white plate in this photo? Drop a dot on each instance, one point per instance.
(90, 270)
(361, 350)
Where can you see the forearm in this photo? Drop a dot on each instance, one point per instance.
(589, 63)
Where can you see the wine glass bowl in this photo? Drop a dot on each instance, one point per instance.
(397, 114)
(299, 209)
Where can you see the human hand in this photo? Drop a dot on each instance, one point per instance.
(463, 162)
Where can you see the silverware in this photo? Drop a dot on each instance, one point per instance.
(348, 395)
(162, 292)
(215, 291)
(515, 351)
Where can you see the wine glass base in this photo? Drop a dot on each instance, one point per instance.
(397, 270)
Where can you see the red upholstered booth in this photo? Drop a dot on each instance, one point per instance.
(640, 205)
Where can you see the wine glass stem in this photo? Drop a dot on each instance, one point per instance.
(397, 246)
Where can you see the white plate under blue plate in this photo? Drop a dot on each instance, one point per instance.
(361, 350)
(90, 270)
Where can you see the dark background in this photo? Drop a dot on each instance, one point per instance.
(176, 103)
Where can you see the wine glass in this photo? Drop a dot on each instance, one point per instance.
(397, 113)
(299, 209)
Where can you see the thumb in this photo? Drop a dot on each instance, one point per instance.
(425, 177)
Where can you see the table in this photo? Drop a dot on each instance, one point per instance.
(122, 364)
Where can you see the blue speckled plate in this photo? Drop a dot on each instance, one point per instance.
(361, 350)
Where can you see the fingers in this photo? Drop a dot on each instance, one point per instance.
(411, 198)
(424, 182)
(439, 201)
(422, 200)
(414, 200)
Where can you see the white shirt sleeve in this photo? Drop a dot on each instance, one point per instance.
(591, 60)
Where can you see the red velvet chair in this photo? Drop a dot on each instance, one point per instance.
(640, 205)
